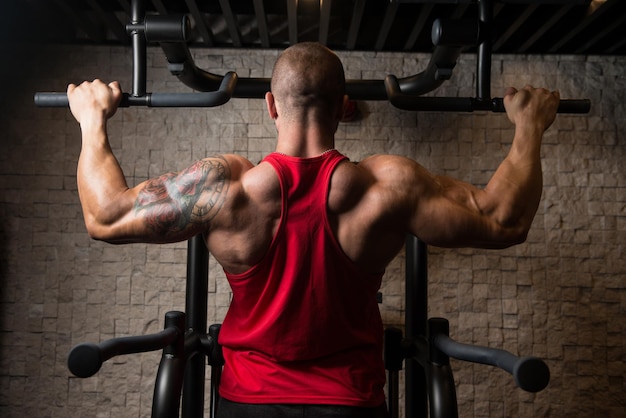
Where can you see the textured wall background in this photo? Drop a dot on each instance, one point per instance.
(560, 296)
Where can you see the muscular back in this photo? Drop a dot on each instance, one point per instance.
(364, 215)
(371, 207)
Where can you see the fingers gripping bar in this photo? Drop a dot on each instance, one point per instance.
(203, 99)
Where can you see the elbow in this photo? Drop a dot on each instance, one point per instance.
(95, 230)
(513, 235)
(98, 231)
(518, 238)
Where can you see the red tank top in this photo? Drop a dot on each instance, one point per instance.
(304, 325)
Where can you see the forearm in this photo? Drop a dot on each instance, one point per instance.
(514, 192)
(101, 182)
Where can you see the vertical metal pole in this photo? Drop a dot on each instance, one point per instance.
(442, 391)
(394, 357)
(139, 49)
(196, 310)
(217, 362)
(416, 317)
(483, 61)
(169, 381)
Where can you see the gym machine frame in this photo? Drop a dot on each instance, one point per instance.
(426, 348)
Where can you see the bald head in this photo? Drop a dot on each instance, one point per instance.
(308, 77)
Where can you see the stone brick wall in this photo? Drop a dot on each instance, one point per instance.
(559, 296)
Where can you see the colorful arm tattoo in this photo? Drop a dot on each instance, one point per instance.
(176, 202)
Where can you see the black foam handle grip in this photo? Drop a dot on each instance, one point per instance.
(577, 106)
(51, 100)
(43, 99)
(530, 373)
(84, 360)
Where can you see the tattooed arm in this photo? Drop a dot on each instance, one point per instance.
(177, 206)
(172, 207)
(169, 208)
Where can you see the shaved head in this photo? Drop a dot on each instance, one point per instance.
(308, 77)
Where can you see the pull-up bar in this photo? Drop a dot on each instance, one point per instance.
(450, 37)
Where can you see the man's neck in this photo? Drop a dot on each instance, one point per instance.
(303, 143)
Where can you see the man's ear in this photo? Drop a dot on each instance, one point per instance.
(271, 105)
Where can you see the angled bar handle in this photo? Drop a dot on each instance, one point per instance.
(205, 99)
(84, 360)
(413, 102)
(530, 373)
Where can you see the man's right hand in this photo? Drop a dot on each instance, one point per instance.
(531, 106)
(92, 103)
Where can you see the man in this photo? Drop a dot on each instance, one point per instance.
(305, 236)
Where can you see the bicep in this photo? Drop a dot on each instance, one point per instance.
(451, 213)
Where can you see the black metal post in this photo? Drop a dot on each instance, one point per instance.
(416, 316)
(483, 59)
(139, 49)
(196, 310)
(169, 380)
(217, 362)
(442, 391)
(394, 357)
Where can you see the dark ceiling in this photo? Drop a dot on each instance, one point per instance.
(519, 26)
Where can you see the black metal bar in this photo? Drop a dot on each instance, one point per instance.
(231, 23)
(530, 373)
(216, 360)
(565, 106)
(580, 27)
(93, 31)
(292, 20)
(169, 380)
(196, 309)
(111, 22)
(441, 389)
(325, 7)
(201, 25)
(403, 93)
(455, 33)
(204, 99)
(416, 314)
(259, 11)
(355, 23)
(390, 14)
(418, 27)
(84, 360)
(394, 357)
(442, 392)
(539, 32)
(168, 28)
(138, 41)
(602, 34)
(519, 21)
(439, 70)
(483, 61)
(463, 104)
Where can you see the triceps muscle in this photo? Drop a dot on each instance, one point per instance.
(176, 203)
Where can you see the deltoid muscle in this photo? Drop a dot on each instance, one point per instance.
(174, 201)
